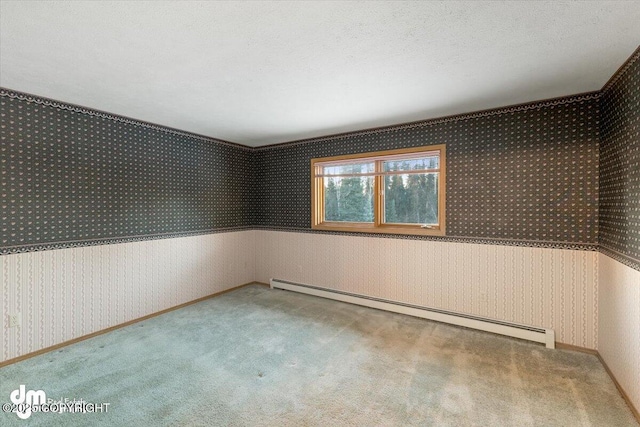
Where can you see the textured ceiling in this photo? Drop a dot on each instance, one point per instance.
(267, 72)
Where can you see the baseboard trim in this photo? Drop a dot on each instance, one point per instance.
(121, 325)
(563, 346)
(626, 398)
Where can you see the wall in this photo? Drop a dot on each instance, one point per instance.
(522, 206)
(619, 323)
(523, 219)
(553, 288)
(620, 169)
(526, 173)
(141, 217)
(619, 279)
(77, 176)
(67, 293)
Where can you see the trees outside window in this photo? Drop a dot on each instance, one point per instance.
(389, 192)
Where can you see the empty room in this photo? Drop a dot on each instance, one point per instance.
(320, 213)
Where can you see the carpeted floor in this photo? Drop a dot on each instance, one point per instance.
(258, 357)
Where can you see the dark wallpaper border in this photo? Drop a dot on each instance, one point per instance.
(621, 258)
(453, 239)
(10, 250)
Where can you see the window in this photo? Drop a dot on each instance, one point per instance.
(397, 191)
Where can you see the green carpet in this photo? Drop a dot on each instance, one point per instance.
(257, 357)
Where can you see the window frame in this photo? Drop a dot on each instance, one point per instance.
(318, 202)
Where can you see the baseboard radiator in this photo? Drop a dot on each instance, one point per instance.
(525, 332)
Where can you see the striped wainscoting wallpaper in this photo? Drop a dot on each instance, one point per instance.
(552, 288)
(67, 293)
(619, 324)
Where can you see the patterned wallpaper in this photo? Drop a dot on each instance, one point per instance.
(525, 173)
(76, 176)
(68, 293)
(620, 165)
(619, 323)
(551, 288)
(522, 175)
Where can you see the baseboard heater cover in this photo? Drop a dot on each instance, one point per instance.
(525, 332)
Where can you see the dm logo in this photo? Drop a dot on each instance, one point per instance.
(25, 400)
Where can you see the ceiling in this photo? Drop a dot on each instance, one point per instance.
(258, 73)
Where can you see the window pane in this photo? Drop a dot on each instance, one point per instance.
(411, 198)
(349, 168)
(348, 199)
(427, 162)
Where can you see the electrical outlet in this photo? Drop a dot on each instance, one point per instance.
(14, 320)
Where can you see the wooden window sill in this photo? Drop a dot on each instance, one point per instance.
(384, 229)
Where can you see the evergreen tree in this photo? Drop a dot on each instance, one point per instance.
(414, 199)
(431, 199)
(352, 200)
(391, 215)
(403, 202)
(395, 197)
(331, 210)
(422, 179)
